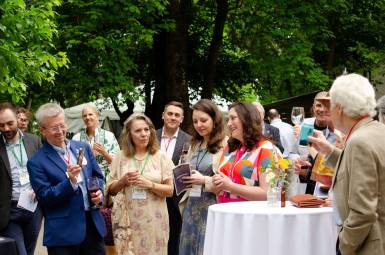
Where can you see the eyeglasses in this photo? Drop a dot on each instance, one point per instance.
(56, 129)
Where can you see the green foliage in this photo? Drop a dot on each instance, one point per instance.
(270, 50)
(107, 43)
(27, 54)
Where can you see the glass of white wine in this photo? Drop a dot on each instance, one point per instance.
(297, 115)
(183, 156)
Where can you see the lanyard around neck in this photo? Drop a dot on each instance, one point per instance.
(200, 160)
(68, 159)
(355, 124)
(143, 166)
(238, 156)
(19, 160)
(168, 143)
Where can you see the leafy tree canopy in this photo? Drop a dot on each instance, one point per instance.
(27, 53)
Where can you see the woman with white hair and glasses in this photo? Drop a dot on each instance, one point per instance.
(359, 177)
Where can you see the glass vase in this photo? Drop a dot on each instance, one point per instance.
(273, 197)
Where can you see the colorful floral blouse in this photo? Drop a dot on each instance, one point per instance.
(243, 167)
(107, 139)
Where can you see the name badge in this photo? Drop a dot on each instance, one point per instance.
(23, 177)
(139, 194)
(196, 191)
(27, 200)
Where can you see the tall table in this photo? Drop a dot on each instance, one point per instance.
(254, 228)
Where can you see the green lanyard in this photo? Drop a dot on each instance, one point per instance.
(19, 160)
(141, 169)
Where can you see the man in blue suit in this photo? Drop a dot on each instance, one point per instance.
(71, 225)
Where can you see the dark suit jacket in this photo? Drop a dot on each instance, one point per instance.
(272, 133)
(182, 138)
(32, 143)
(63, 207)
(5, 195)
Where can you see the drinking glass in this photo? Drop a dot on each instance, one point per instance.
(183, 156)
(93, 186)
(297, 115)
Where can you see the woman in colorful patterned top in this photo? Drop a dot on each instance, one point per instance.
(206, 148)
(243, 163)
(103, 143)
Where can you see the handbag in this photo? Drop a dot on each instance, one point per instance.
(106, 213)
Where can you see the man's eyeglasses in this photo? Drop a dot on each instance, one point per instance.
(57, 128)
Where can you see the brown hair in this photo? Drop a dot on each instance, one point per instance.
(217, 134)
(27, 113)
(174, 103)
(7, 105)
(251, 124)
(126, 143)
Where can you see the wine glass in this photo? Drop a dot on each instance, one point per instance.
(297, 115)
(183, 156)
(93, 186)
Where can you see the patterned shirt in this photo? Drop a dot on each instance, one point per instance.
(107, 139)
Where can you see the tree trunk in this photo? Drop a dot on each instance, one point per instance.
(170, 63)
(123, 115)
(216, 43)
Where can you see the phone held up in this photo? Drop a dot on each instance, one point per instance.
(80, 157)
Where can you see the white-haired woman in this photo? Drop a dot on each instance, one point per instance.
(358, 188)
(103, 143)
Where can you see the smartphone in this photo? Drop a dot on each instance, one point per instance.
(80, 157)
(306, 131)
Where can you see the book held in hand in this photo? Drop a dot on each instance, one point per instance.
(179, 172)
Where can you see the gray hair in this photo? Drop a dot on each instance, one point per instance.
(355, 94)
(46, 111)
(260, 109)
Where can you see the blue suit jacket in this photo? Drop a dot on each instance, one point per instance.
(63, 208)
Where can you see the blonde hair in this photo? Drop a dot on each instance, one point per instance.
(126, 143)
(93, 108)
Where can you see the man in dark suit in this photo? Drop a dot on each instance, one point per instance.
(72, 224)
(5, 195)
(16, 148)
(269, 131)
(172, 139)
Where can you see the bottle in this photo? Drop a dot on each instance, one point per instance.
(283, 196)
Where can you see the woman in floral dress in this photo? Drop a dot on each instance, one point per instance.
(141, 179)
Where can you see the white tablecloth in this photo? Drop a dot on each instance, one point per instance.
(253, 228)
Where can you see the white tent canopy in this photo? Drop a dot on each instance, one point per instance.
(74, 117)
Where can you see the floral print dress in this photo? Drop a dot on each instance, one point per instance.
(140, 226)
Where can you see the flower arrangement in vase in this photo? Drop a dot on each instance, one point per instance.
(276, 174)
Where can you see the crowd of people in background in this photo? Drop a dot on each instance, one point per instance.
(54, 177)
